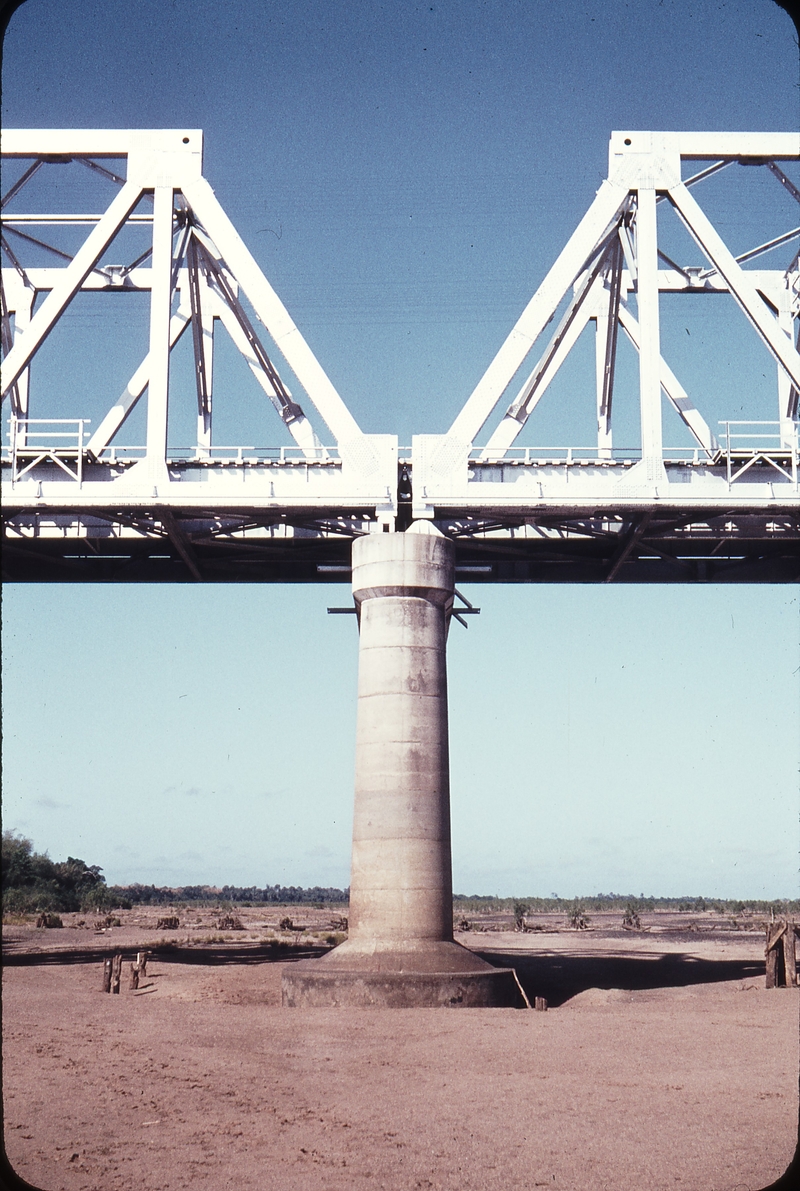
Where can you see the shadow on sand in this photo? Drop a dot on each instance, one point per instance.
(245, 953)
(559, 977)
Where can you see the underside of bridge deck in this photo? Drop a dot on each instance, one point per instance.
(187, 545)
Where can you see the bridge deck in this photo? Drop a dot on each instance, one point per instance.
(262, 516)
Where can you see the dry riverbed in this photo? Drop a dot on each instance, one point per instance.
(662, 1062)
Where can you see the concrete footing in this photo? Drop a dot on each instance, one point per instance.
(400, 950)
(308, 985)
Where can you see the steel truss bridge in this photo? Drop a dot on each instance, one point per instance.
(80, 507)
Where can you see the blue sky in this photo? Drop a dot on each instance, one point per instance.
(405, 174)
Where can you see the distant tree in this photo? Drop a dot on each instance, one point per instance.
(631, 918)
(576, 916)
(33, 883)
(17, 862)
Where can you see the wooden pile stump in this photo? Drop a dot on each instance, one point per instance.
(139, 968)
(112, 971)
(116, 973)
(780, 953)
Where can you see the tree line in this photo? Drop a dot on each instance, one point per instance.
(32, 883)
(158, 895)
(694, 904)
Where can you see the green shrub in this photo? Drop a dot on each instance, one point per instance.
(520, 910)
(631, 919)
(576, 916)
(49, 921)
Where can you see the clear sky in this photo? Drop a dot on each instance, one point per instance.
(405, 173)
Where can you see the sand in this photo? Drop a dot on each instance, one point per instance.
(662, 1062)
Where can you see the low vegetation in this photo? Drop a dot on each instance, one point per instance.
(227, 896)
(622, 903)
(33, 884)
(576, 916)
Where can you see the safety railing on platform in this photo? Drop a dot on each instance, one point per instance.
(36, 440)
(584, 455)
(290, 454)
(747, 443)
(221, 454)
(63, 441)
(56, 444)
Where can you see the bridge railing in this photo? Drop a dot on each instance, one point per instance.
(61, 441)
(243, 454)
(744, 443)
(573, 455)
(51, 440)
(221, 454)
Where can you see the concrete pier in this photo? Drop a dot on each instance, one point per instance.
(400, 950)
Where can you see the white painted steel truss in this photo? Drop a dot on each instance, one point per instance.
(613, 256)
(196, 272)
(213, 510)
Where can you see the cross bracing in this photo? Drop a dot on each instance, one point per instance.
(80, 502)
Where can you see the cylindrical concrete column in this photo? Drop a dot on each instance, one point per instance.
(401, 882)
(400, 950)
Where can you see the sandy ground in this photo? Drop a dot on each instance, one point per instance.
(663, 1062)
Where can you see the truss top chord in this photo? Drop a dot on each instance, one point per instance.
(784, 146)
(98, 142)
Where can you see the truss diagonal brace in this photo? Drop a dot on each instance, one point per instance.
(271, 311)
(569, 330)
(610, 353)
(519, 409)
(674, 390)
(135, 387)
(65, 289)
(289, 410)
(180, 542)
(784, 181)
(624, 548)
(298, 426)
(592, 229)
(201, 369)
(7, 339)
(740, 285)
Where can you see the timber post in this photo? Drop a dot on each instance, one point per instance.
(781, 961)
